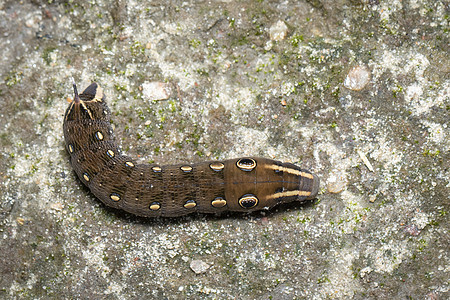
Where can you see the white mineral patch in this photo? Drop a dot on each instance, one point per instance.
(365, 271)
(421, 103)
(155, 90)
(278, 31)
(388, 256)
(438, 133)
(387, 154)
(340, 278)
(420, 220)
(413, 92)
(357, 78)
(248, 141)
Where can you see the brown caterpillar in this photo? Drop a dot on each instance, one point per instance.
(242, 184)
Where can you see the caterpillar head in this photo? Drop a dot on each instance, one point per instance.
(89, 105)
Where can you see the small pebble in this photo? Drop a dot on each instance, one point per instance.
(155, 90)
(365, 271)
(357, 78)
(336, 182)
(199, 266)
(56, 206)
(278, 31)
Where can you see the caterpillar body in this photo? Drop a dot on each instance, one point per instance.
(150, 190)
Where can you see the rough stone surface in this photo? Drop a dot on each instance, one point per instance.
(233, 92)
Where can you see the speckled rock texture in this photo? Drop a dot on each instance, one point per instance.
(356, 91)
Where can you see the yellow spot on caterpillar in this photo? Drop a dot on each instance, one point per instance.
(155, 205)
(156, 169)
(99, 135)
(86, 176)
(70, 148)
(219, 202)
(114, 197)
(110, 153)
(129, 164)
(186, 168)
(217, 166)
(190, 204)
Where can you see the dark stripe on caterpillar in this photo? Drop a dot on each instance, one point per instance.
(242, 184)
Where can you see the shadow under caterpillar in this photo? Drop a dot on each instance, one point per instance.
(242, 184)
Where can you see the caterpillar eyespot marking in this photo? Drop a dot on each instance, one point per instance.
(246, 164)
(248, 201)
(242, 184)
